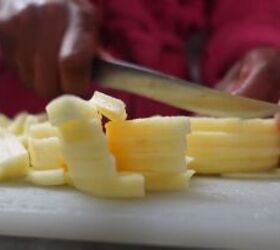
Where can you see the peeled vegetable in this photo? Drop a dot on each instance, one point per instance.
(233, 145)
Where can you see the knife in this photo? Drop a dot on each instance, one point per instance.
(116, 74)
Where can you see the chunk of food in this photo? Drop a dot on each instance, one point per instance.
(85, 150)
(112, 108)
(21, 125)
(154, 147)
(234, 125)
(168, 182)
(70, 108)
(220, 146)
(45, 153)
(14, 159)
(16, 127)
(43, 130)
(218, 166)
(91, 166)
(23, 122)
(44, 147)
(51, 177)
(4, 121)
(124, 185)
(231, 146)
(30, 120)
(155, 144)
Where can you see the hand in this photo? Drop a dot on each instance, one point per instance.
(50, 43)
(257, 75)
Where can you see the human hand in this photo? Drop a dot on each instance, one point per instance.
(50, 43)
(257, 75)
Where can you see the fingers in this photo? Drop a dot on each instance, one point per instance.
(8, 42)
(26, 44)
(46, 82)
(250, 82)
(52, 20)
(77, 50)
(75, 67)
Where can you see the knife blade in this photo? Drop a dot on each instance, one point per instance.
(116, 74)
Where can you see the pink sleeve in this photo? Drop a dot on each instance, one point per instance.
(237, 27)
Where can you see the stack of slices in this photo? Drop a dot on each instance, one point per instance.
(154, 147)
(233, 145)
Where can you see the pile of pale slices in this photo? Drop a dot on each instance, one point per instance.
(231, 145)
(126, 158)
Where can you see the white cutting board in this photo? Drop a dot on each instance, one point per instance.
(214, 213)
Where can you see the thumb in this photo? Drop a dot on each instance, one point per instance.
(249, 82)
(75, 72)
(231, 78)
(259, 84)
